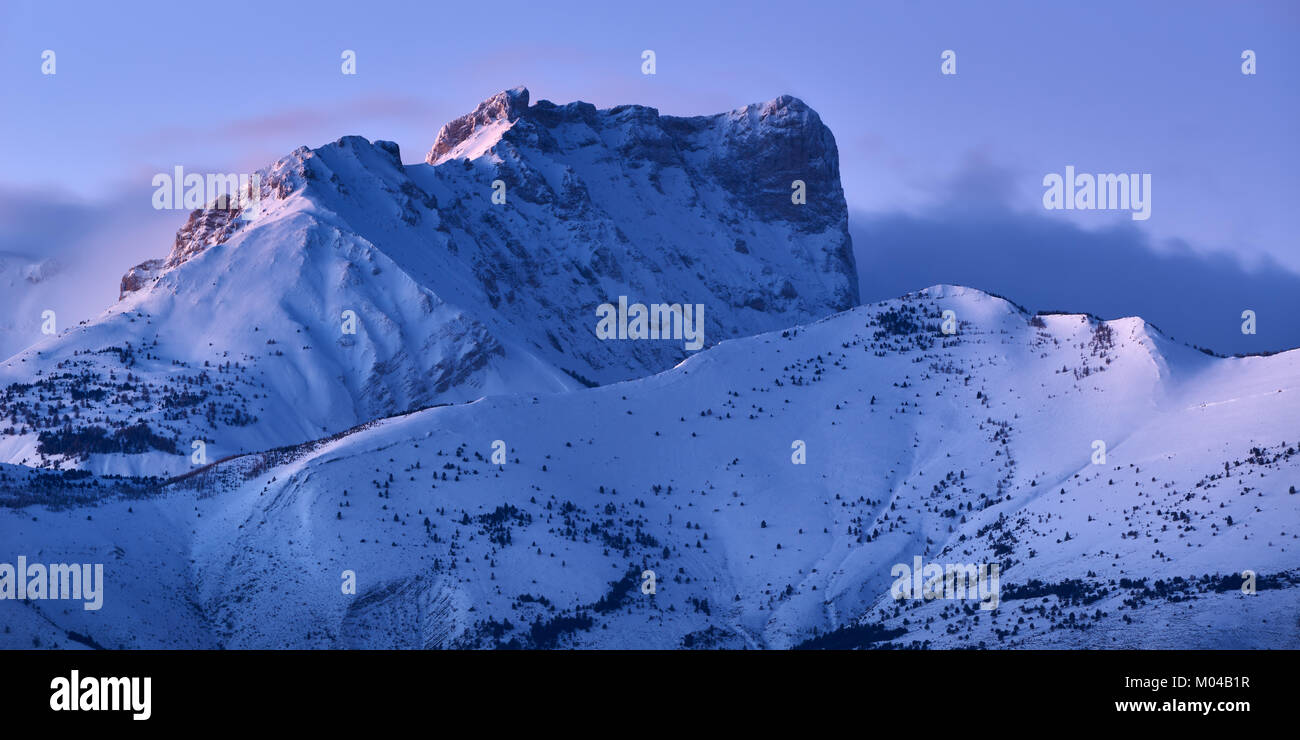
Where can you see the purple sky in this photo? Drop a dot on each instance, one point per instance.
(1152, 87)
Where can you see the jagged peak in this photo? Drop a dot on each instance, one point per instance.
(501, 109)
(781, 104)
(471, 134)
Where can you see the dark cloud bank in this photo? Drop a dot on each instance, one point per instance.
(1049, 264)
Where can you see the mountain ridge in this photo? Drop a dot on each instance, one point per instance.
(488, 472)
(971, 447)
(454, 296)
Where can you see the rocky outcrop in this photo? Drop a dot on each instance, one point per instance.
(502, 108)
(139, 276)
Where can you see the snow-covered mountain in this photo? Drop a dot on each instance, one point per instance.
(476, 273)
(975, 447)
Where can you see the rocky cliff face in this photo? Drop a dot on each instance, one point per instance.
(365, 287)
(659, 208)
(500, 109)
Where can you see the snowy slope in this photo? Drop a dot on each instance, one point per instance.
(970, 448)
(236, 338)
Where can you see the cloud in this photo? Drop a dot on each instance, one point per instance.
(1047, 263)
(42, 222)
(66, 254)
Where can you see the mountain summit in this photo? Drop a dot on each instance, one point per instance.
(497, 112)
(475, 273)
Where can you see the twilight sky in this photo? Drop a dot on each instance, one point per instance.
(943, 174)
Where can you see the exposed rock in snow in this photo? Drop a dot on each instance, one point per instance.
(496, 112)
(140, 276)
(363, 287)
